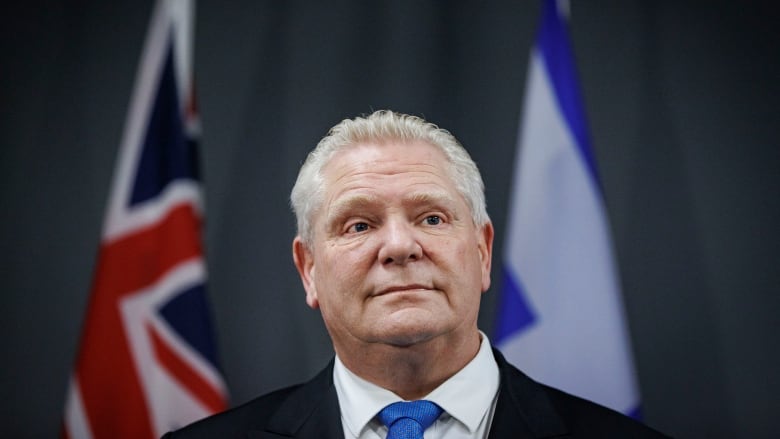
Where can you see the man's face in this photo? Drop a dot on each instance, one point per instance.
(396, 257)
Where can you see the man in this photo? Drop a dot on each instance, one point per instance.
(394, 248)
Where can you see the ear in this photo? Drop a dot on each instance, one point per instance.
(304, 262)
(485, 246)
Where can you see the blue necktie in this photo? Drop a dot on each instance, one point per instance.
(408, 420)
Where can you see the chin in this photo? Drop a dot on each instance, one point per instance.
(407, 335)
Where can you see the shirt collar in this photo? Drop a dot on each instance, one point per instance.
(359, 399)
(466, 396)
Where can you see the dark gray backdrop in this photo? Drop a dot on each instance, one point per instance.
(682, 100)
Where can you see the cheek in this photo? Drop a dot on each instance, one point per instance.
(460, 254)
(466, 264)
(345, 270)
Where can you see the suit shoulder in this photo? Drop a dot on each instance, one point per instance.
(235, 422)
(545, 410)
(588, 419)
(284, 411)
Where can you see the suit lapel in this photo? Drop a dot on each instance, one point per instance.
(523, 409)
(311, 411)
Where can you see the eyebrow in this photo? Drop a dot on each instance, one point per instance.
(440, 198)
(344, 206)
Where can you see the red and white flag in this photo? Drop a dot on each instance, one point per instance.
(147, 361)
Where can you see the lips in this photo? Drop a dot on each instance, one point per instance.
(402, 288)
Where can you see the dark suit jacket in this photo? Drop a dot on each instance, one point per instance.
(525, 409)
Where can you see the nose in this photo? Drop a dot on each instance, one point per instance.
(399, 244)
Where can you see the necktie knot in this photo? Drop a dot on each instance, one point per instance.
(408, 420)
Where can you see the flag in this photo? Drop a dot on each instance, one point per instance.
(560, 315)
(147, 362)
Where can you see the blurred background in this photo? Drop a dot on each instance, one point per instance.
(682, 100)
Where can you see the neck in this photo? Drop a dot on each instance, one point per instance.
(414, 371)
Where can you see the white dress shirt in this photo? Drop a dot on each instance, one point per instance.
(468, 399)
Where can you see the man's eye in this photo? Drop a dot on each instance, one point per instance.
(358, 227)
(433, 220)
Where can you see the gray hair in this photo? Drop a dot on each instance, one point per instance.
(383, 125)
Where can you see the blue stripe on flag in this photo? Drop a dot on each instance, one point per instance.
(515, 312)
(167, 152)
(188, 314)
(553, 42)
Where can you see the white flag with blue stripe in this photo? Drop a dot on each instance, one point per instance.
(560, 314)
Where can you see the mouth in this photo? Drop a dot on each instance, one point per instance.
(402, 289)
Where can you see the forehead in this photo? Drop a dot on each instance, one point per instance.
(381, 161)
